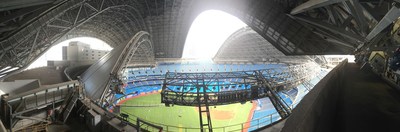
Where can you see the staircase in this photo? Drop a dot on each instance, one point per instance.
(69, 104)
(206, 105)
(69, 107)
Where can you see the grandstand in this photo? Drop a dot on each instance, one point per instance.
(152, 78)
(264, 77)
(171, 94)
(143, 87)
(206, 94)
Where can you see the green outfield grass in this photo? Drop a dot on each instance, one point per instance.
(185, 116)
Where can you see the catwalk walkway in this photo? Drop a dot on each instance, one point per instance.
(348, 100)
(366, 103)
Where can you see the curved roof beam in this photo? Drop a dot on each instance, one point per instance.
(111, 65)
(167, 21)
(246, 45)
(48, 34)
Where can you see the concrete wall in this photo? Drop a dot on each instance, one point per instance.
(18, 86)
(108, 121)
(312, 113)
(46, 75)
(58, 63)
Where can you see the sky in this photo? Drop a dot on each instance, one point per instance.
(55, 52)
(208, 32)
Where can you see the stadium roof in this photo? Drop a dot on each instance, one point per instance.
(29, 27)
(246, 45)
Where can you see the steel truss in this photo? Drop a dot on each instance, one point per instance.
(280, 105)
(218, 88)
(114, 85)
(69, 19)
(350, 23)
(17, 107)
(246, 45)
(115, 21)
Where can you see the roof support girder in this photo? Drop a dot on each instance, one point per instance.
(312, 4)
(357, 12)
(392, 15)
(331, 28)
(16, 4)
(18, 13)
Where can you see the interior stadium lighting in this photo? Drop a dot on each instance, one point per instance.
(8, 67)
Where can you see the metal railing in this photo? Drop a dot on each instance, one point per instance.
(42, 96)
(39, 98)
(254, 124)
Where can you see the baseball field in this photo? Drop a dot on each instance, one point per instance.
(185, 118)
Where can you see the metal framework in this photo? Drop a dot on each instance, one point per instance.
(102, 79)
(29, 28)
(136, 47)
(69, 19)
(350, 23)
(16, 107)
(246, 45)
(217, 88)
(168, 21)
(280, 105)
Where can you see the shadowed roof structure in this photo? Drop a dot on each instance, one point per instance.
(168, 21)
(295, 27)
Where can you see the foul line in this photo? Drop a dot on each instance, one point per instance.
(249, 118)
